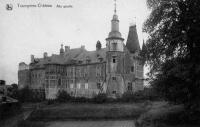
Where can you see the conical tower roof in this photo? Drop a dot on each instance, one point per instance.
(132, 43)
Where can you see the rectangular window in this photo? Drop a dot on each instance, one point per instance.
(86, 85)
(78, 85)
(52, 84)
(71, 86)
(114, 92)
(130, 86)
(99, 85)
(114, 46)
(114, 59)
(113, 78)
(132, 68)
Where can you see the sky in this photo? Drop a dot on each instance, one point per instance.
(35, 30)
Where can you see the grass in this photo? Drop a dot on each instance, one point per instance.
(27, 123)
(87, 111)
(162, 114)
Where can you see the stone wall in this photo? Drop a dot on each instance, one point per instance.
(23, 78)
(80, 80)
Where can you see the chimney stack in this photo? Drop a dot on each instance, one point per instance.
(98, 45)
(45, 55)
(32, 58)
(67, 48)
(82, 46)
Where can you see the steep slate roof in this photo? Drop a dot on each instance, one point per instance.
(132, 42)
(76, 54)
(93, 56)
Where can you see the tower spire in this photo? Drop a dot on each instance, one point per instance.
(115, 24)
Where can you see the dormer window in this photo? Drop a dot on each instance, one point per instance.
(100, 59)
(88, 59)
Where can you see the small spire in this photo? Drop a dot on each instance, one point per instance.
(61, 50)
(115, 7)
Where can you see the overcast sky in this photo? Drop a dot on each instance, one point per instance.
(26, 31)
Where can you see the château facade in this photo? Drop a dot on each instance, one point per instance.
(113, 70)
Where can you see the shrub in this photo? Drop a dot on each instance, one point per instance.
(51, 101)
(100, 98)
(146, 94)
(63, 96)
(80, 99)
(29, 95)
(9, 109)
(127, 97)
(27, 123)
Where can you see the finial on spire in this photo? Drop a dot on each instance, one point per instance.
(115, 6)
(133, 22)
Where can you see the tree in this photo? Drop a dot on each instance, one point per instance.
(12, 91)
(172, 49)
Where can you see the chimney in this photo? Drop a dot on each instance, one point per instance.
(32, 58)
(82, 46)
(45, 55)
(61, 50)
(98, 45)
(67, 48)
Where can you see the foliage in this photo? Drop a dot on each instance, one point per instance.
(142, 95)
(29, 95)
(172, 49)
(9, 109)
(63, 96)
(176, 83)
(12, 91)
(100, 98)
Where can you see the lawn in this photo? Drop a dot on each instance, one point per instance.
(163, 114)
(88, 111)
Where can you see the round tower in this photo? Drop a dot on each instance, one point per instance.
(115, 59)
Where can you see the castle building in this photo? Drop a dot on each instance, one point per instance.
(114, 70)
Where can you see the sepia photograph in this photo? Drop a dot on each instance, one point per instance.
(99, 63)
